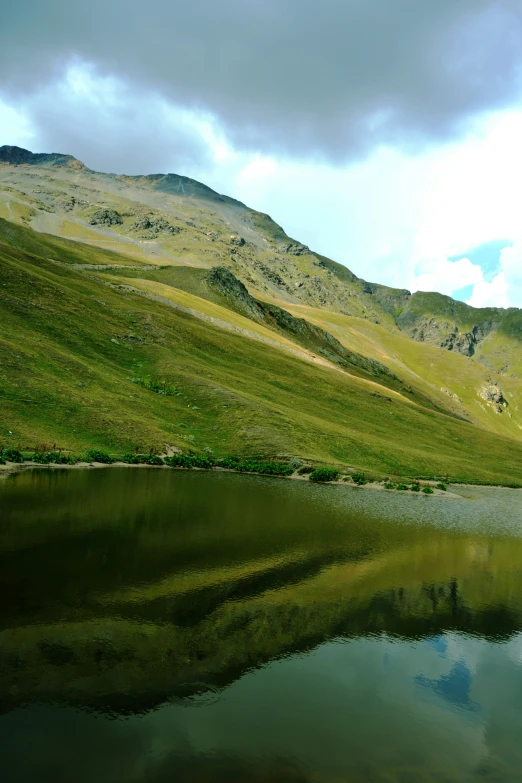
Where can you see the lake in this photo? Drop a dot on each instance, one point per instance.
(210, 627)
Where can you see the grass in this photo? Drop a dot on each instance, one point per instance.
(71, 348)
(500, 350)
(63, 200)
(428, 369)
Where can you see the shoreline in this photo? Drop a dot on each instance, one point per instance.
(12, 468)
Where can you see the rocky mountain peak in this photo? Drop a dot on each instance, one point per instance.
(19, 156)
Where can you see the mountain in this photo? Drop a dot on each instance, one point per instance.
(113, 285)
(17, 156)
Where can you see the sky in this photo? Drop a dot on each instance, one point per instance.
(386, 134)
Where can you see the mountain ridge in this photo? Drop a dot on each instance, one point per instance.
(314, 361)
(426, 317)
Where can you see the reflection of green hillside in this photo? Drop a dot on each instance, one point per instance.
(167, 586)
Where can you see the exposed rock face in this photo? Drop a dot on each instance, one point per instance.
(447, 335)
(322, 342)
(293, 248)
(494, 396)
(223, 282)
(271, 275)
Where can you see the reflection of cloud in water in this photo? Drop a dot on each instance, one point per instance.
(454, 687)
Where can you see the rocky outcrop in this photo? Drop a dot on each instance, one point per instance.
(106, 217)
(237, 241)
(226, 285)
(293, 248)
(301, 331)
(154, 226)
(447, 335)
(17, 156)
(493, 395)
(322, 342)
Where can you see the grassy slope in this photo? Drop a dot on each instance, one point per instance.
(41, 196)
(428, 369)
(500, 350)
(68, 359)
(188, 287)
(61, 199)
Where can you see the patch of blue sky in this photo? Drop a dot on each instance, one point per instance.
(487, 256)
(463, 294)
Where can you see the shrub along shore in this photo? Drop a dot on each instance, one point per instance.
(14, 458)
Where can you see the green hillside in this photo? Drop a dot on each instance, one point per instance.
(113, 287)
(492, 335)
(74, 343)
(169, 219)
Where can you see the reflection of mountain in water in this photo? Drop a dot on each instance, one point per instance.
(122, 617)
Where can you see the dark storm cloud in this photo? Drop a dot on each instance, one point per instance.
(305, 77)
(123, 132)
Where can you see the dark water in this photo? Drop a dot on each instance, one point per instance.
(165, 626)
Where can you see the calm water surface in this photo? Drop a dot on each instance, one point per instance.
(212, 628)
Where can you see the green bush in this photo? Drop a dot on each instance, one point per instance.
(272, 468)
(305, 470)
(402, 487)
(203, 461)
(40, 457)
(12, 455)
(189, 461)
(51, 457)
(265, 468)
(442, 486)
(153, 459)
(427, 490)
(415, 488)
(359, 478)
(141, 459)
(389, 485)
(324, 474)
(132, 459)
(230, 462)
(93, 455)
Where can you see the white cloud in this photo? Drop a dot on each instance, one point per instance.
(15, 127)
(505, 289)
(445, 276)
(396, 219)
(392, 218)
(110, 125)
